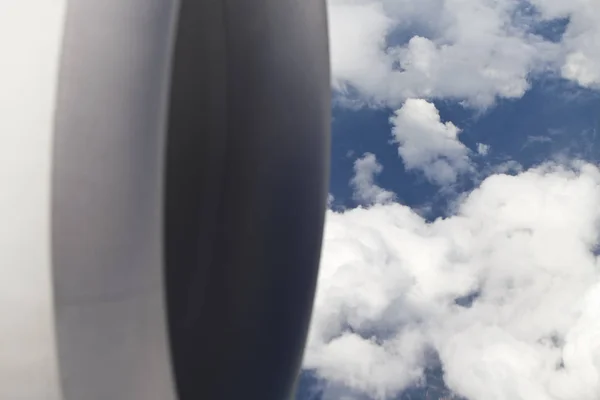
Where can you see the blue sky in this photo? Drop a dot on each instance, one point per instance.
(553, 118)
(512, 228)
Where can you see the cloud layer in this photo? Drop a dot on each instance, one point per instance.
(385, 51)
(505, 292)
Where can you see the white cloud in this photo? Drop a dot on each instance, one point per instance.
(359, 29)
(390, 50)
(525, 244)
(365, 190)
(474, 51)
(483, 149)
(427, 144)
(580, 48)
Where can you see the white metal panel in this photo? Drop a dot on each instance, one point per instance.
(30, 38)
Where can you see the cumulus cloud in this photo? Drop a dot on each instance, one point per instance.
(426, 143)
(468, 50)
(505, 292)
(581, 53)
(385, 51)
(365, 190)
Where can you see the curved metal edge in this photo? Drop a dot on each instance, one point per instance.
(247, 181)
(107, 200)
